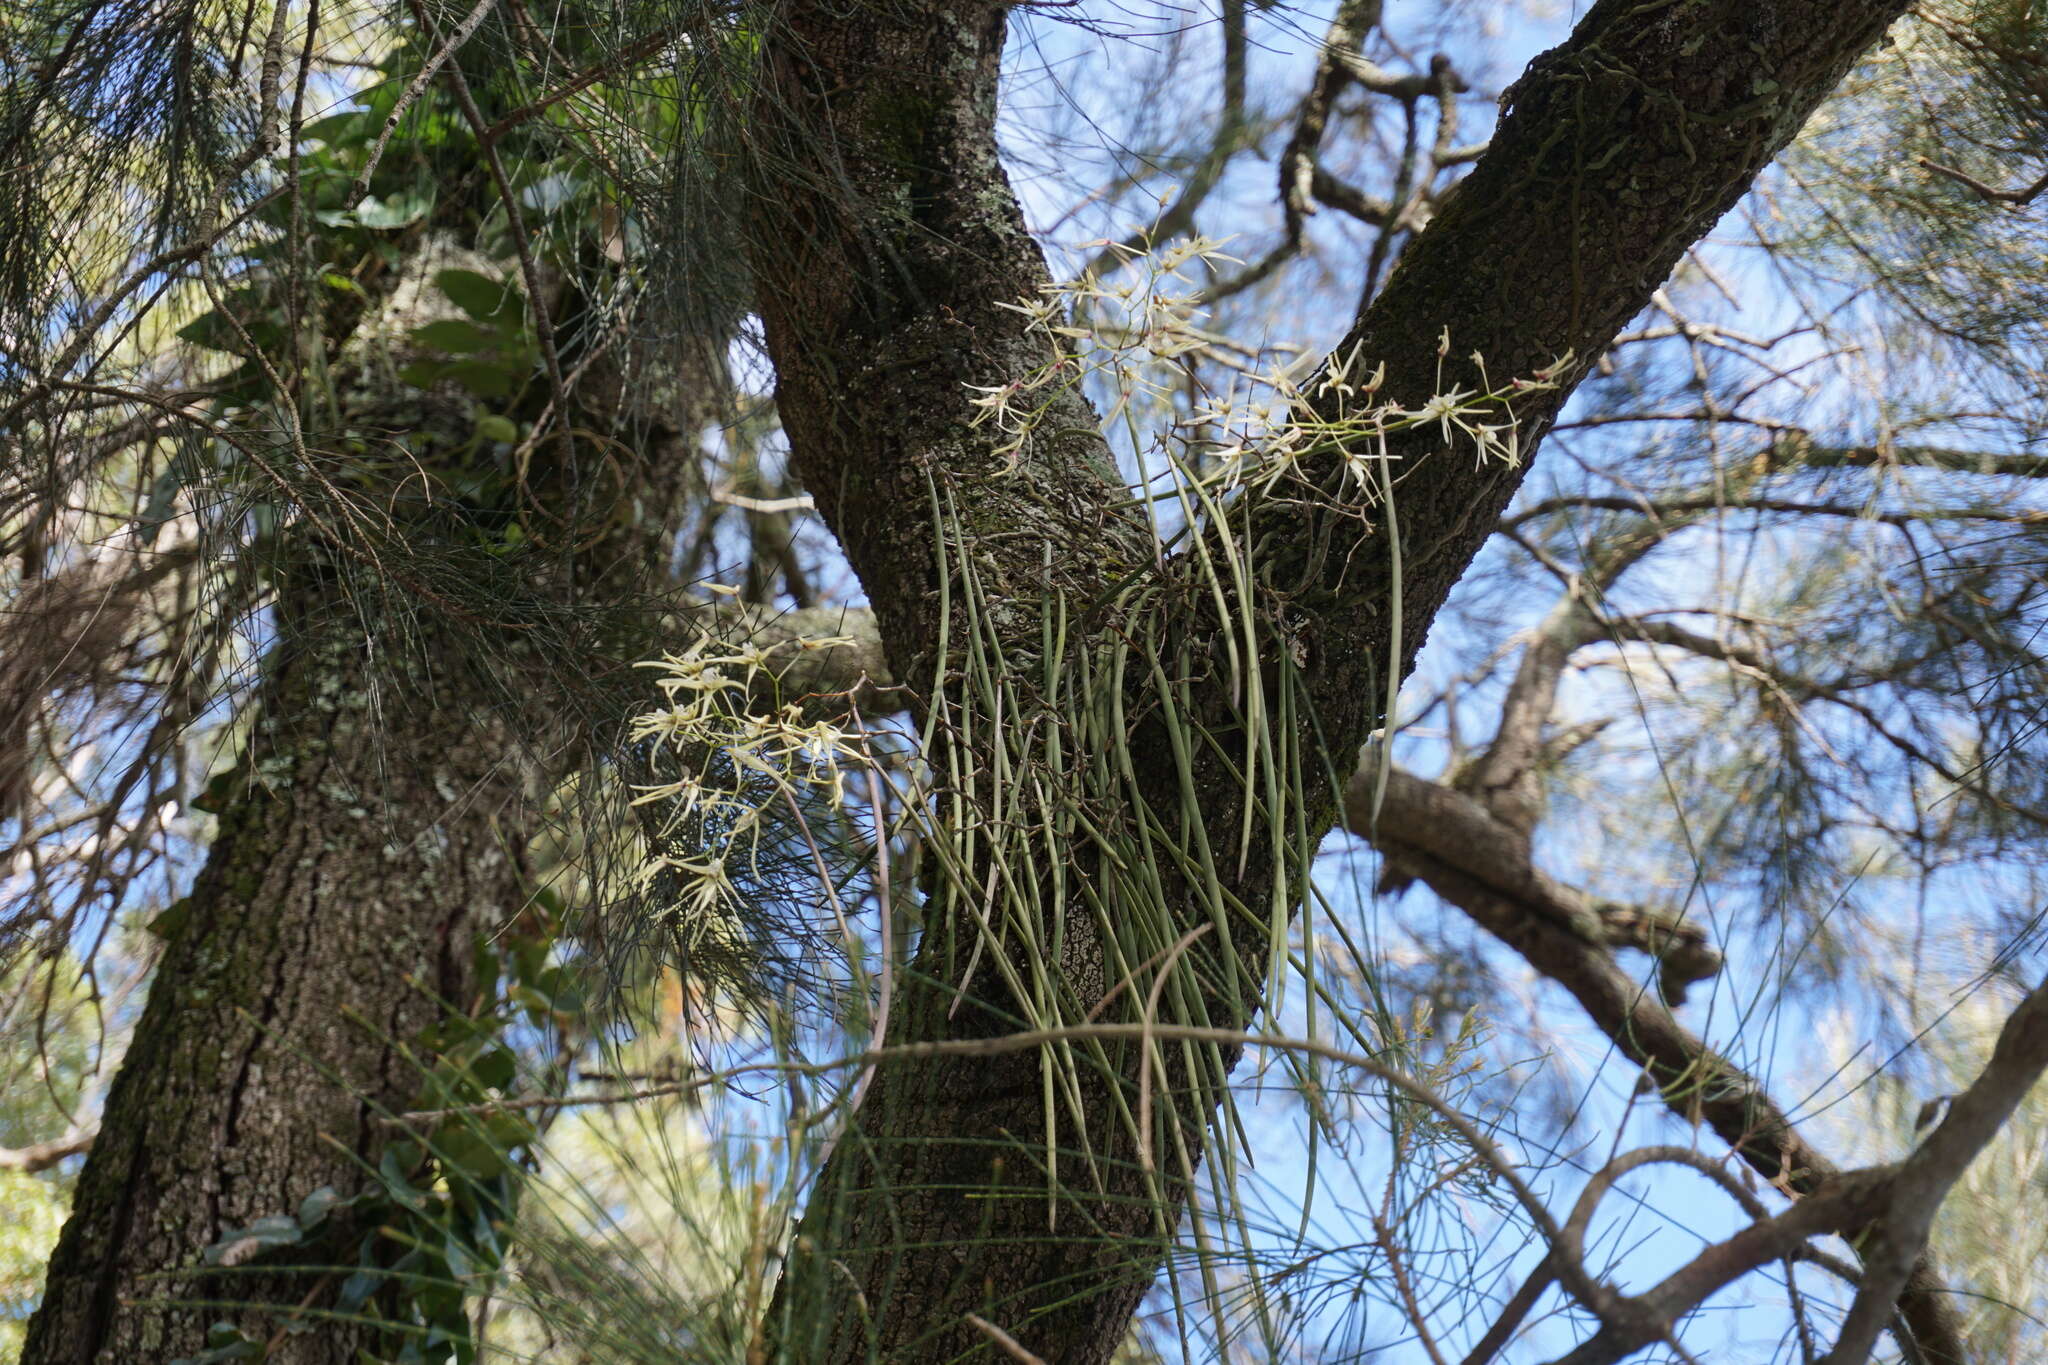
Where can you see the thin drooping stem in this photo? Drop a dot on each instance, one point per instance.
(886, 250)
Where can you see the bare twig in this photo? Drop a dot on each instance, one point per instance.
(1392, 1251)
(1991, 192)
(1230, 137)
(416, 87)
(631, 54)
(1923, 1181)
(1693, 1080)
(40, 1156)
(1352, 23)
(529, 269)
(1006, 1343)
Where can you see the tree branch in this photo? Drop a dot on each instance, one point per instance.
(1669, 507)
(1229, 138)
(1516, 906)
(40, 1156)
(2019, 197)
(1437, 833)
(1794, 449)
(888, 253)
(1893, 1250)
(1798, 688)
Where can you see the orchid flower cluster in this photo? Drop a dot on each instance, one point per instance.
(739, 769)
(1145, 338)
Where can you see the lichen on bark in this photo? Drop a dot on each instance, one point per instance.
(1617, 151)
(360, 852)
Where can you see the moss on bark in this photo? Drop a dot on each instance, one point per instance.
(1621, 148)
(333, 920)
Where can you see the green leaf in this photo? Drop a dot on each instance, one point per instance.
(480, 296)
(495, 1069)
(510, 1130)
(423, 374)
(454, 1031)
(316, 1206)
(334, 279)
(357, 1290)
(481, 378)
(462, 1262)
(492, 427)
(454, 335)
(216, 330)
(463, 1149)
(398, 211)
(162, 504)
(211, 331)
(168, 923)
(338, 129)
(392, 1174)
(220, 789)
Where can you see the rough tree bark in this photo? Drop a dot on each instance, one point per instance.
(379, 821)
(359, 852)
(883, 247)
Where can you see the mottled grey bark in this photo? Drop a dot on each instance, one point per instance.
(362, 847)
(380, 822)
(885, 239)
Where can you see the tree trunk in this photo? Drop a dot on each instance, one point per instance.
(359, 852)
(884, 247)
(377, 822)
